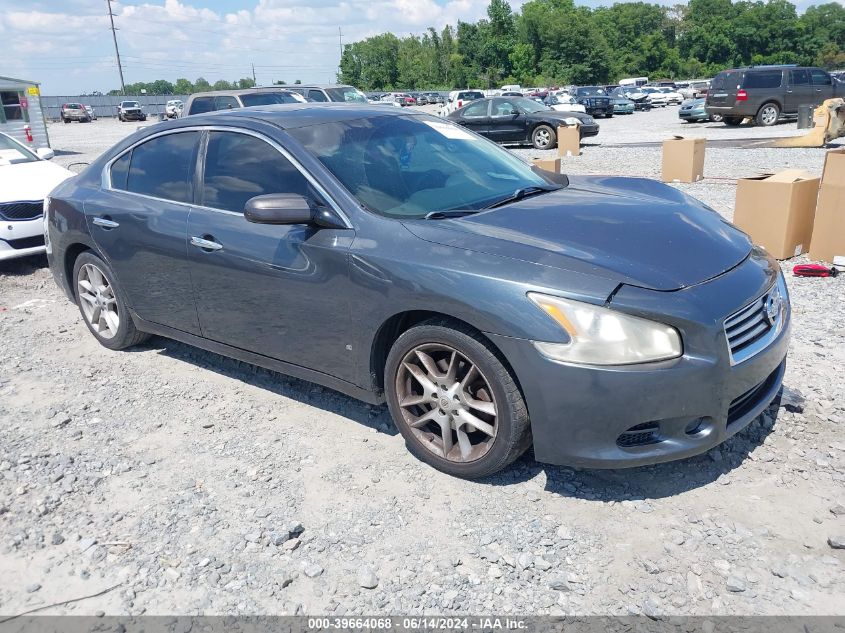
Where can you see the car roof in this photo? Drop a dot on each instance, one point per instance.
(241, 91)
(291, 115)
(321, 86)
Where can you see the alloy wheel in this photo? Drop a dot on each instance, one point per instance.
(97, 300)
(447, 402)
(542, 137)
(769, 115)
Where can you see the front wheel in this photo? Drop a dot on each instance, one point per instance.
(732, 121)
(543, 137)
(716, 118)
(455, 403)
(768, 115)
(102, 304)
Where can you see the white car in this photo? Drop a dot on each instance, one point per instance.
(655, 97)
(673, 97)
(26, 177)
(458, 99)
(563, 102)
(173, 108)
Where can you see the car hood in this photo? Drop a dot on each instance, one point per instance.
(630, 230)
(30, 181)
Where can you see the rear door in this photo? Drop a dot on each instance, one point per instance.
(822, 84)
(139, 221)
(723, 89)
(799, 91)
(763, 86)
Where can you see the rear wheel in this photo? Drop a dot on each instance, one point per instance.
(716, 118)
(768, 115)
(455, 403)
(543, 137)
(102, 305)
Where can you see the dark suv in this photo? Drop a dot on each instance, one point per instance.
(595, 100)
(767, 93)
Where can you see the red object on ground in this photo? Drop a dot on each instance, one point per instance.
(28, 131)
(814, 270)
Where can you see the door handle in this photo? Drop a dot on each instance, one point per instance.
(205, 244)
(105, 223)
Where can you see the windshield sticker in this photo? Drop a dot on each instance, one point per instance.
(451, 131)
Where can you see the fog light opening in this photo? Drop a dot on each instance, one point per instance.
(696, 427)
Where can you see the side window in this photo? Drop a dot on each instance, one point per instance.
(202, 104)
(11, 107)
(799, 77)
(504, 108)
(226, 103)
(239, 167)
(764, 79)
(120, 171)
(475, 110)
(164, 167)
(317, 95)
(820, 77)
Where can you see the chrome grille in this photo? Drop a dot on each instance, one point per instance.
(21, 210)
(753, 327)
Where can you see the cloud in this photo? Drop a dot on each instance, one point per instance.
(68, 47)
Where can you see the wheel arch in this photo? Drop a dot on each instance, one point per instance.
(773, 101)
(72, 253)
(396, 325)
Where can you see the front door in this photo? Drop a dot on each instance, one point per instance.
(822, 85)
(139, 223)
(799, 91)
(272, 290)
(475, 117)
(507, 122)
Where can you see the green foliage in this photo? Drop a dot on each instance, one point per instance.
(184, 86)
(553, 42)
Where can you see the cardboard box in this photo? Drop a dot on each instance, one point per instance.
(549, 164)
(683, 159)
(569, 140)
(777, 211)
(829, 229)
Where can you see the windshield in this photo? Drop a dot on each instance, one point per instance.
(590, 91)
(347, 94)
(13, 152)
(130, 104)
(471, 95)
(529, 105)
(410, 166)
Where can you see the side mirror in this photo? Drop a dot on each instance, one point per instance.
(514, 111)
(278, 208)
(45, 153)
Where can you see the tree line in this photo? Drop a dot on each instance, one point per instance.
(553, 42)
(185, 87)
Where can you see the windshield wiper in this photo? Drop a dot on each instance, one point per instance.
(521, 194)
(442, 215)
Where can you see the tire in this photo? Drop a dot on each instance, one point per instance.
(543, 137)
(732, 121)
(65, 120)
(768, 115)
(120, 118)
(478, 453)
(608, 115)
(108, 294)
(715, 118)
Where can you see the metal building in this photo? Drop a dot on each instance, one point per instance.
(21, 116)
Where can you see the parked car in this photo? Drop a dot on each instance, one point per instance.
(26, 177)
(435, 97)
(203, 102)
(607, 321)
(640, 99)
(420, 97)
(768, 93)
(520, 120)
(595, 100)
(130, 111)
(655, 98)
(92, 113)
(334, 93)
(693, 110)
(458, 99)
(622, 105)
(561, 103)
(673, 97)
(75, 112)
(173, 108)
(694, 89)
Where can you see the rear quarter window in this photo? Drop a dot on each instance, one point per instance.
(201, 105)
(765, 79)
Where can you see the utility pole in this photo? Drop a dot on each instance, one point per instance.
(254, 80)
(116, 49)
(340, 41)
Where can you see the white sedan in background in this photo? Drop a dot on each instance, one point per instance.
(673, 97)
(564, 102)
(655, 97)
(26, 177)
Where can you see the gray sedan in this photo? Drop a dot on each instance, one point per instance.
(400, 258)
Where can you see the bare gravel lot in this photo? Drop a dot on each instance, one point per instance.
(194, 484)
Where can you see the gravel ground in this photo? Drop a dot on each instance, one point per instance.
(200, 485)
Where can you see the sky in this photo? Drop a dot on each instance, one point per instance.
(66, 45)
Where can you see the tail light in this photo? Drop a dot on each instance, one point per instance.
(741, 95)
(460, 103)
(28, 131)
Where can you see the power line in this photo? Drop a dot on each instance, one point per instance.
(116, 49)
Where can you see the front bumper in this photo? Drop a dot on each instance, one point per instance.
(134, 116)
(693, 115)
(580, 415)
(20, 238)
(589, 130)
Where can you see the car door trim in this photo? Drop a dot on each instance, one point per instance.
(105, 176)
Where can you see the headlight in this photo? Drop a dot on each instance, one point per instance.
(599, 336)
(571, 120)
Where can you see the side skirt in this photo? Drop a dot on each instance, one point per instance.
(266, 362)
